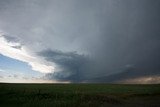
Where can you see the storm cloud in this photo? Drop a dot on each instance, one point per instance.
(87, 40)
(70, 66)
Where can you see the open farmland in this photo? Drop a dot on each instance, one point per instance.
(79, 95)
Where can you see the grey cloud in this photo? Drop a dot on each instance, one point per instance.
(15, 76)
(72, 66)
(10, 38)
(9, 76)
(17, 47)
(129, 35)
(128, 73)
(25, 78)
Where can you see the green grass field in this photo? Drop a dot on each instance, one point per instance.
(79, 95)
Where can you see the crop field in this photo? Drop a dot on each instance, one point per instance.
(79, 95)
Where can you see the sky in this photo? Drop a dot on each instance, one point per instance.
(80, 41)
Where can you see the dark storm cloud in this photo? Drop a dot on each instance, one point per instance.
(129, 35)
(71, 66)
(129, 73)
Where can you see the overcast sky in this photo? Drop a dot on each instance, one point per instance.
(80, 41)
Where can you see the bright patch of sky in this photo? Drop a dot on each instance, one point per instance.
(8, 49)
(16, 70)
(17, 64)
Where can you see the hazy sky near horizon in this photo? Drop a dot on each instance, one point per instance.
(80, 41)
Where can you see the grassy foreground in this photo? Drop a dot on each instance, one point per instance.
(79, 95)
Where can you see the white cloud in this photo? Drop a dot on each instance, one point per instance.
(37, 63)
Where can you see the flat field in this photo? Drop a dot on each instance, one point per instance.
(79, 95)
